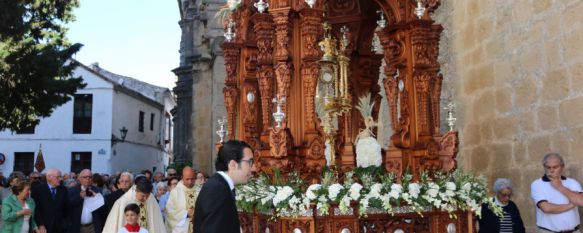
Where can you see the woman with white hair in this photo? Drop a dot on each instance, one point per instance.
(511, 222)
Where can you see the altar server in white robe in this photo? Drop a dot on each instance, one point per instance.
(180, 206)
(150, 215)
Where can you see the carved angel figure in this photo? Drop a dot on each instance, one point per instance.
(368, 150)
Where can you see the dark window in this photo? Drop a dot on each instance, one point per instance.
(152, 121)
(24, 162)
(82, 114)
(80, 161)
(26, 130)
(141, 122)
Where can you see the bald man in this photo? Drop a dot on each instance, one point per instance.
(180, 206)
(51, 204)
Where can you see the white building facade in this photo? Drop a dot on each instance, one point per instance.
(87, 132)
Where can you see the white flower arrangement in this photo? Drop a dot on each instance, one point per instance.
(445, 192)
(368, 150)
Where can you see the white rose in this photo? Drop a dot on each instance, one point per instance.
(467, 187)
(396, 190)
(310, 191)
(414, 190)
(334, 190)
(355, 191)
(375, 190)
(450, 186)
(282, 194)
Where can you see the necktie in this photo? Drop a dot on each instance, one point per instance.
(54, 192)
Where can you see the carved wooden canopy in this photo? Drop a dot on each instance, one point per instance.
(276, 53)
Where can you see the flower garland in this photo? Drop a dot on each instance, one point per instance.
(445, 192)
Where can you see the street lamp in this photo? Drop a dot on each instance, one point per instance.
(123, 132)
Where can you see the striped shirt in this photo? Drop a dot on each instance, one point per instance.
(506, 223)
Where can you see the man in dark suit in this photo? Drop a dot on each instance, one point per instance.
(83, 221)
(215, 209)
(51, 204)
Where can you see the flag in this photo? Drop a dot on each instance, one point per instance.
(40, 162)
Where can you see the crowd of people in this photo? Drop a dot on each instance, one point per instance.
(54, 202)
(93, 203)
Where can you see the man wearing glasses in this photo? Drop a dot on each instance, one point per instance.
(215, 209)
(554, 211)
(34, 178)
(82, 219)
(51, 204)
(171, 173)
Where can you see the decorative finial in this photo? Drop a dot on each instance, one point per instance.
(230, 34)
(222, 133)
(382, 23)
(344, 42)
(419, 10)
(278, 115)
(310, 3)
(450, 119)
(261, 6)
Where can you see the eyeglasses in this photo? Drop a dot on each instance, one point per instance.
(85, 177)
(171, 174)
(509, 195)
(249, 161)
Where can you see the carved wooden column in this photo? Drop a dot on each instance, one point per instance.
(283, 67)
(231, 53)
(310, 32)
(280, 139)
(263, 27)
(311, 25)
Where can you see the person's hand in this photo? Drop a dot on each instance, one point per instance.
(190, 212)
(25, 212)
(41, 229)
(556, 182)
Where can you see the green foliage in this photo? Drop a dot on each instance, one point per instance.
(180, 166)
(35, 60)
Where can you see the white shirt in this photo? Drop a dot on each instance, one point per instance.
(228, 179)
(541, 190)
(25, 224)
(86, 215)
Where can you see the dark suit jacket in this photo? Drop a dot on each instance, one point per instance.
(110, 200)
(51, 213)
(491, 223)
(215, 210)
(76, 208)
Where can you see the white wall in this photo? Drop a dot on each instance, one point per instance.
(112, 109)
(55, 133)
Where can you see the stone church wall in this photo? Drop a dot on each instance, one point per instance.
(514, 70)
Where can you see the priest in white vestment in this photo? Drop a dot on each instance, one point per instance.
(150, 215)
(180, 205)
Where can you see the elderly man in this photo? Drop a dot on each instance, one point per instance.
(215, 209)
(150, 215)
(180, 206)
(123, 184)
(51, 204)
(554, 211)
(82, 218)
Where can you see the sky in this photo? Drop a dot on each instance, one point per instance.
(135, 38)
